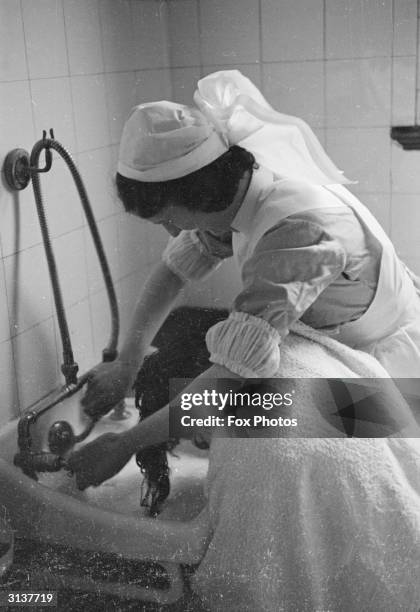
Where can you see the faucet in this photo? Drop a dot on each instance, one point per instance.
(61, 437)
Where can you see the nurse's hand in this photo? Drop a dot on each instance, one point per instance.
(99, 460)
(108, 384)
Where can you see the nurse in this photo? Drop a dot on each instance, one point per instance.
(233, 177)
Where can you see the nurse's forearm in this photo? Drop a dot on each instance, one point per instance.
(155, 428)
(153, 306)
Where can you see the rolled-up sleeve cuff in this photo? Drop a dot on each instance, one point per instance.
(246, 345)
(185, 256)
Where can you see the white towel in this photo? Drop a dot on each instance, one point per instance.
(314, 524)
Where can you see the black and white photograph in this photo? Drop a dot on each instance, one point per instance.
(210, 305)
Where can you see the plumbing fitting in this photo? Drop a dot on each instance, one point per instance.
(61, 437)
(19, 169)
(17, 165)
(31, 463)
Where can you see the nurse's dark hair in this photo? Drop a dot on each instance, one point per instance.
(210, 189)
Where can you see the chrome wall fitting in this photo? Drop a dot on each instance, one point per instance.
(16, 169)
(17, 165)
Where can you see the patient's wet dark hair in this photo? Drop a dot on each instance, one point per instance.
(209, 189)
(182, 353)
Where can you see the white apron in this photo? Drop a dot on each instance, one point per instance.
(390, 328)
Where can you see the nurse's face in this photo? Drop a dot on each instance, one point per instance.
(175, 219)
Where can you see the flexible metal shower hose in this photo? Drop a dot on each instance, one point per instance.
(69, 367)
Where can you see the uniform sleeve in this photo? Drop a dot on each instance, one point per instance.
(193, 255)
(289, 268)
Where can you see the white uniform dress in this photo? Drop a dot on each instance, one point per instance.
(311, 523)
(322, 523)
(308, 252)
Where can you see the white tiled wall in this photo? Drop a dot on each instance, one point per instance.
(292, 30)
(77, 66)
(350, 68)
(358, 28)
(299, 85)
(229, 32)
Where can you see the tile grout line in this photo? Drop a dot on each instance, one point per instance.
(324, 69)
(200, 38)
(28, 80)
(197, 65)
(73, 116)
(90, 294)
(389, 216)
(167, 40)
(261, 48)
(51, 300)
(16, 201)
(417, 84)
(55, 327)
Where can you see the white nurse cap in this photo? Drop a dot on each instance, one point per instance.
(164, 140)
